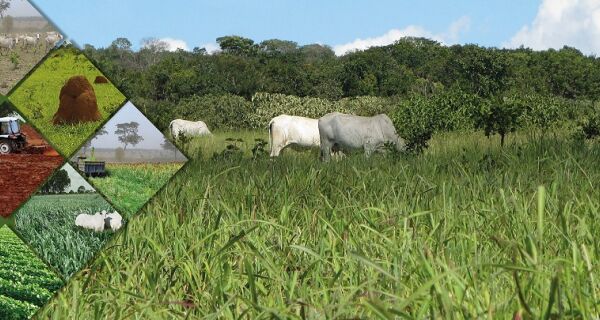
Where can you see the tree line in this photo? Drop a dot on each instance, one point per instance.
(244, 67)
(491, 86)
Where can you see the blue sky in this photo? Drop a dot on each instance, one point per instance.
(536, 23)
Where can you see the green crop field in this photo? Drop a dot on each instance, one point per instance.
(25, 282)
(129, 186)
(47, 223)
(465, 230)
(37, 98)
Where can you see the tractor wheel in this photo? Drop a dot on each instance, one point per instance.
(5, 147)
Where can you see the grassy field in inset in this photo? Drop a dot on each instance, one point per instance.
(465, 230)
(37, 98)
(130, 186)
(26, 283)
(47, 223)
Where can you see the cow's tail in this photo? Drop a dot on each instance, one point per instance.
(171, 129)
(271, 135)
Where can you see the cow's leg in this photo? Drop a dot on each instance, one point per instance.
(326, 151)
(369, 149)
(275, 150)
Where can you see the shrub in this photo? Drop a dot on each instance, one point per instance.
(498, 115)
(415, 120)
(217, 111)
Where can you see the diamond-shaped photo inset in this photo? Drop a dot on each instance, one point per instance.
(25, 38)
(67, 221)
(26, 283)
(67, 98)
(128, 160)
(26, 160)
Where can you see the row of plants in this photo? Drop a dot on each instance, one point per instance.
(25, 282)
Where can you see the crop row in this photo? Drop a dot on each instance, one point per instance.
(25, 282)
(47, 224)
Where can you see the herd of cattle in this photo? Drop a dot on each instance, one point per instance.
(29, 41)
(333, 133)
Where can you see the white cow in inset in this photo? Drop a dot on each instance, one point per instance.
(52, 39)
(285, 130)
(31, 42)
(100, 221)
(189, 128)
(7, 44)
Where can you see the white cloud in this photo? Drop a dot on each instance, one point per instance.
(558, 23)
(457, 27)
(174, 44)
(449, 36)
(211, 47)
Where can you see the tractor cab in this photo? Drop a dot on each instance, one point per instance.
(11, 137)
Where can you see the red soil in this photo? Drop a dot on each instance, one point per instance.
(77, 103)
(33, 138)
(100, 79)
(21, 175)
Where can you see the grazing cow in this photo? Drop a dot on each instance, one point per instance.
(100, 221)
(190, 128)
(52, 39)
(287, 130)
(114, 221)
(343, 132)
(7, 44)
(32, 42)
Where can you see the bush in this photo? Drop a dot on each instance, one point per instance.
(415, 120)
(589, 124)
(217, 111)
(498, 115)
(267, 106)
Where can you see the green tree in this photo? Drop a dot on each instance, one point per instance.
(237, 45)
(121, 44)
(4, 5)
(128, 134)
(276, 46)
(59, 183)
(498, 116)
(168, 146)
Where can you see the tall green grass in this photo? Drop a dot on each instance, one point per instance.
(130, 186)
(465, 230)
(47, 224)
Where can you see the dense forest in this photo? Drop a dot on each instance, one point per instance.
(466, 86)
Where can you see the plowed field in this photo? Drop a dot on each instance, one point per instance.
(23, 173)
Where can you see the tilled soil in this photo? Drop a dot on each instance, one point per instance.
(21, 175)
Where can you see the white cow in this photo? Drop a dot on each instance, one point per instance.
(7, 44)
(189, 128)
(32, 42)
(52, 39)
(285, 130)
(100, 221)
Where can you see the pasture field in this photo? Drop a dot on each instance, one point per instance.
(14, 65)
(129, 186)
(25, 282)
(47, 223)
(465, 230)
(37, 98)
